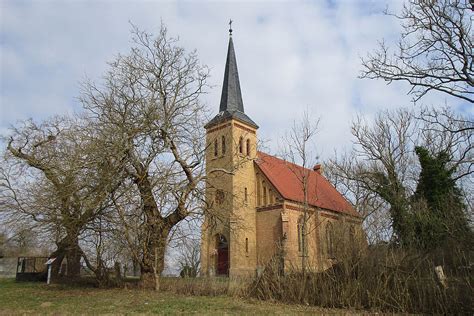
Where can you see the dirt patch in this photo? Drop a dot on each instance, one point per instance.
(46, 304)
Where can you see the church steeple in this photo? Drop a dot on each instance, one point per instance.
(231, 105)
(231, 97)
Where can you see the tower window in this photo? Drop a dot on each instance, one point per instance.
(246, 245)
(215, 148)
(248, 147)
(246, 198)
(241, 145)
(223, 145)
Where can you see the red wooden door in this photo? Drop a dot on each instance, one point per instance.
(223, 261)
(222, 255)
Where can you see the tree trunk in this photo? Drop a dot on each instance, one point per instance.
(59, 254)
(73, 258)
(102, 275)
(67, 248)
(153, 261)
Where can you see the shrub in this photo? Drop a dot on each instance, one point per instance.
(384, 279)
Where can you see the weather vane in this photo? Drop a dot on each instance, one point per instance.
(230, 27)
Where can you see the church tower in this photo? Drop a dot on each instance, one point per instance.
(229, 230)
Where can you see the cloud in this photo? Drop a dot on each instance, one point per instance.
(291, 56)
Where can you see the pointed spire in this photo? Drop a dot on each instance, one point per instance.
(231, 106)
(231, 97)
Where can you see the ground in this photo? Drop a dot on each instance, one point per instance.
(39, 298)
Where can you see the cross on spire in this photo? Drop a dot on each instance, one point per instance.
(230, 27)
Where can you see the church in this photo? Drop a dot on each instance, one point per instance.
(256, 208)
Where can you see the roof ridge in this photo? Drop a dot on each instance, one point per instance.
(289, 162)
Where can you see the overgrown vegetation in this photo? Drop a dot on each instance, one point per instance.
(382, 279)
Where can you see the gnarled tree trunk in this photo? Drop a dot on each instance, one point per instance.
(68, 248)
(153, 261)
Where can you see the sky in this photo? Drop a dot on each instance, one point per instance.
(292, 56)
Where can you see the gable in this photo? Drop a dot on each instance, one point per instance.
(286, 178)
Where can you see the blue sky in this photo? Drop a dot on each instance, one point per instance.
(292, 55)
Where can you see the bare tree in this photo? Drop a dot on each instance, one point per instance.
(446, 131)
(340, 172)
(52, 177)
(382, 163)
(382, 170)
(189, 257)
(298, 146)
(434, 50)
(149, 105)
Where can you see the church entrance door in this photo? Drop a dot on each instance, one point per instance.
(222, 255)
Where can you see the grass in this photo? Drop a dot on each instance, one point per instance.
(39, 298)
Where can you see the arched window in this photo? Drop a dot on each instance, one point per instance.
(264, 193)
(241, 145)
(248, 147)
(223, 145)
(330, 240)
(300, 233)
(352, 234)
(352, 242)
(259, 194)
(215, 148)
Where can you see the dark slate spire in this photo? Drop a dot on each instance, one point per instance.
(231, 105)
(231, 98)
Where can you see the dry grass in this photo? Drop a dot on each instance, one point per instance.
(38, 298)
(205, 286)
(387, 280)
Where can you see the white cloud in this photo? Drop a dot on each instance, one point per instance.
(291, 56)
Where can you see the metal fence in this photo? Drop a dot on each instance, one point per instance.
(31, 269)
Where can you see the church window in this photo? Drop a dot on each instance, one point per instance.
(246, 198)
(300, 233)
(264, 194)
(352, 234)
(246, 245)
(259, 195)
(215, 148)
(219, 197)
(241, 145)
(330, 240)
(248, 147)
(223, 145)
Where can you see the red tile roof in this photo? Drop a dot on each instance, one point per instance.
(286, 178)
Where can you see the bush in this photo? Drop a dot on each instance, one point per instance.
(384, 279)
(188, 272)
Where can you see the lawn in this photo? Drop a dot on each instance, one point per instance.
(39, 298)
